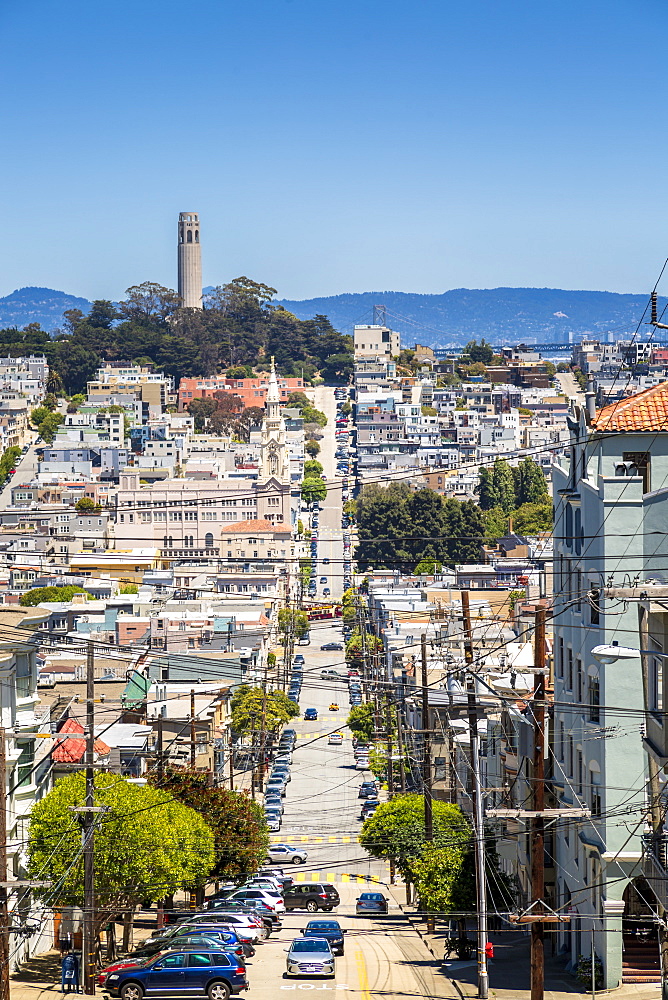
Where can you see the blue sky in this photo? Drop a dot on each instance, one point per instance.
(335, 145)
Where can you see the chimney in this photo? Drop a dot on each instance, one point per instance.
(590, 401)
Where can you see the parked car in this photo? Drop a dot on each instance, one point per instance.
(368, 808)
(312, 896)
(269, 897)
(326, 592)
(367, 790)
(208, 973)
(273, 822)
(330, 930)
(309, 957)
(219, 940)
(371, 902)
(284, 853)
(328, 647)
(311, 714)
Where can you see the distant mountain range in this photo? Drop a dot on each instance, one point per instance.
(500, 315)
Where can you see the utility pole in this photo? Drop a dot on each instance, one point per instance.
(426, 746)
(390, 768)
(88, 949)
(161, 762)
(263, 731)
(192, 727)
(400, 749)
(476, 796)
(538, 821)
(4, 913)
(655, 807)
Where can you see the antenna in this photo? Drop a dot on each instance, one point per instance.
(379, 316)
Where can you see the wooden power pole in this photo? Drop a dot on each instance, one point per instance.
(538, 821)
(88, 949)
(477, 803)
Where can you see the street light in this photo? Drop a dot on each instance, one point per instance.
(612, 653)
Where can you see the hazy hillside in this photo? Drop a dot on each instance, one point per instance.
(38, 305)
(501, 315)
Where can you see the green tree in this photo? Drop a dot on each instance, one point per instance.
(530, 483)
(361, 722)
(427, 567)
(8, 460)
(86, 506)
(147, 845)
(250, 705)
(487, 498)
(312, 448)
(128, 588)
(42, 595)
(312, 416)
(294, 621)
(299, 400)
(481, 352)
(313, 490)
(496, 524)
(39, 414)
(397, 830)
(435, 875)
(532, 518)
(48, 427)
(504, 485)
(312, 468)
(239, 371)
(238, 825)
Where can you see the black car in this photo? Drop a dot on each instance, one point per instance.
(311, 896)
(367, 790)
(328, 929)
(368, 807)
(331, 646)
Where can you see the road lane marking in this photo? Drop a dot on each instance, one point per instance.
(333, 840)
(362, 976)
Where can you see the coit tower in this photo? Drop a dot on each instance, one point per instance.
(190, 261)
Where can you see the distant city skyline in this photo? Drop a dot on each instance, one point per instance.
(337, 147)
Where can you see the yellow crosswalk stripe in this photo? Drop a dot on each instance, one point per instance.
(345, 878)
(333, 840)
(346, 840)
(304, 840)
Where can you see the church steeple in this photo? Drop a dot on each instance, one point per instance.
(275, 459)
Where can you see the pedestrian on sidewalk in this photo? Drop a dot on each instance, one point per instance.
(69, 973)
(64, 941)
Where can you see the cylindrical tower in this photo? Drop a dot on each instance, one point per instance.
(190, 261)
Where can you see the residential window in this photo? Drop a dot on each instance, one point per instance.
(569, 675)
(560, 658)
(594, 606)
(639, 466)
(580, 675)
(595, 779)
(594, 698)
(569, 762)
(656, 686)
(26, 762)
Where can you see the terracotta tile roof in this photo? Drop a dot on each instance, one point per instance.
(645, 411)
(71, 750)
(260, 524)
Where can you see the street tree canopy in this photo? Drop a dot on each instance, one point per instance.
(292, 620)
(396, 830)
(238, 825)
(360, 721)
(249, 706)
(147, 845)
(313, 490)
(38, 595)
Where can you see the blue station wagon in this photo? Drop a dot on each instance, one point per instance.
(200, 973)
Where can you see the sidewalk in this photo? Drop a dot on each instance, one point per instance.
(509, 970)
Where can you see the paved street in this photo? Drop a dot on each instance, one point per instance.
(330, 535)
(384, 956)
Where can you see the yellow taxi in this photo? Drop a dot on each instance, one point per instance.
(333, 707)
